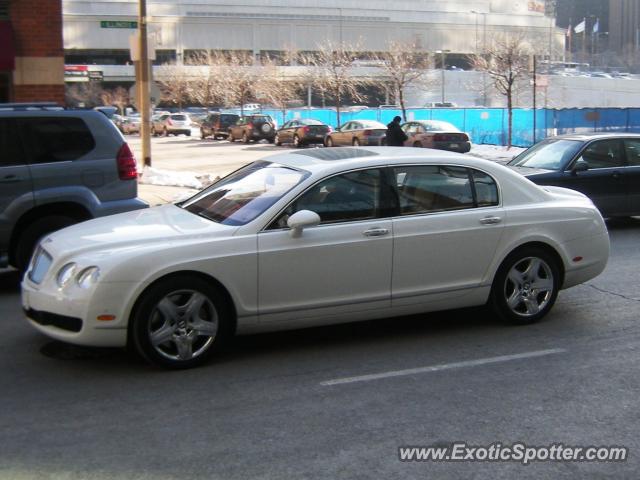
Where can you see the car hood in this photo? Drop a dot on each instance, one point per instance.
(527, 172)
(139, 229)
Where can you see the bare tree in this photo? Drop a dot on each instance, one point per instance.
(209, 85)
(176, 84)
(118, 97)
(240, 75)
(332, 70)
(405, 66)
(273, 86)
(507, 63)
(86, 94)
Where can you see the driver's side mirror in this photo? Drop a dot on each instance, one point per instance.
(301, 220)
(580, 166)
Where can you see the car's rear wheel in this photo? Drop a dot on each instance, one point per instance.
(245, 137)
(329, 142)
(296, 141)
(180, 322)
(202, 135)
(417, 144)
(278, 141)
(231, 138)
(32, 234)
(188, 133)
(356, 142)
(526, 286)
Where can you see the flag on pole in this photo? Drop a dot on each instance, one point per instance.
(596, 26)
(579, 28)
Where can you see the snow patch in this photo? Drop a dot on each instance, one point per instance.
(495, 153)
(175, 178)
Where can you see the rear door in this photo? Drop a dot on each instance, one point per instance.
(16, 190)
(632, 173)
(604, 182)
(446, 233)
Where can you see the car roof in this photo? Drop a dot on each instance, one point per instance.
(322, 161)
(592, 136)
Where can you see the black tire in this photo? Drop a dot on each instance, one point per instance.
(231, 138)
(417, 144)
(514, 286)
(176, 290)
(32, 234)
(271, 140)
(188, 134)
(296, 141)
(245, 138)
(202, 135)
(355, 142)
(277, 140)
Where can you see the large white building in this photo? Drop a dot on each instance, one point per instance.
(97, 31)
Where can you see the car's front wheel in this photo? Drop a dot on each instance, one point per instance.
(526, 286)
(180, 322)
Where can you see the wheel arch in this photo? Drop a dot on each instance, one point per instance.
(219, 286)
(547, 247)
(67, 209)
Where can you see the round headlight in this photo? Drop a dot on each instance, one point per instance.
(65, 274)
(88, 277)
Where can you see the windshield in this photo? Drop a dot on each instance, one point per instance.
(246, 193)
(548, 155)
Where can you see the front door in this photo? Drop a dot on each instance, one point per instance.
(604, 181)
(343, 265)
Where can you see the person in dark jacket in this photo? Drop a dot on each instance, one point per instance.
(395, 136)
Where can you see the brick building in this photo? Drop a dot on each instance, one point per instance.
(31, 51)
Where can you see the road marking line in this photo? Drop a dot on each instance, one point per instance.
(445, 366)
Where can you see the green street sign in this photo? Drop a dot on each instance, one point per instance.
(118, 24)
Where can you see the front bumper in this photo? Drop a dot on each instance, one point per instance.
(70, 315)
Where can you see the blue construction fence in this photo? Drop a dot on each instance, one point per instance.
(490, 125)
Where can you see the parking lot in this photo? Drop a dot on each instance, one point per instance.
(332, 402)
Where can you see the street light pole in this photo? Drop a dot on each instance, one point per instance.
(143, 82)
(443, 66)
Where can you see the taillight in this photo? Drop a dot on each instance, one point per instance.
(305, 130)
(439, 137)
(250, 125)
(127, 169)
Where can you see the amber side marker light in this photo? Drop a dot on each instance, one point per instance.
(577, 259)
(106, 318)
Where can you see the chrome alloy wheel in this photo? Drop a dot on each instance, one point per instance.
(529, 286)
(183, 325)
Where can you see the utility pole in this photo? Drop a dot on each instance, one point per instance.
(142, 79)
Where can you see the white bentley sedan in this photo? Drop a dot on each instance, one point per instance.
(314, 237)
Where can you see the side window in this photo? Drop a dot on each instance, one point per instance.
(604, 154)
(632, 147)
(10, 150)
(486, 189)
(433, 188)
(348, 197)
(57, 139)
(346, 126)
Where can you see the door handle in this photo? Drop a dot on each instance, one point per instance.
(10, 179)
(376, 232)
(490, 220)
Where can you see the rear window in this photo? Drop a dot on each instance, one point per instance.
(178, 117)
(56, 139)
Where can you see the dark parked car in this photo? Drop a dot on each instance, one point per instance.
(253, 127)
(58, 168)
(605, 167)
(302, 132)
(436, 134)
(217, 125)
(356, 133)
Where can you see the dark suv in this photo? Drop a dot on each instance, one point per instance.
(217, 125)
(253, 127)
(58, 168)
